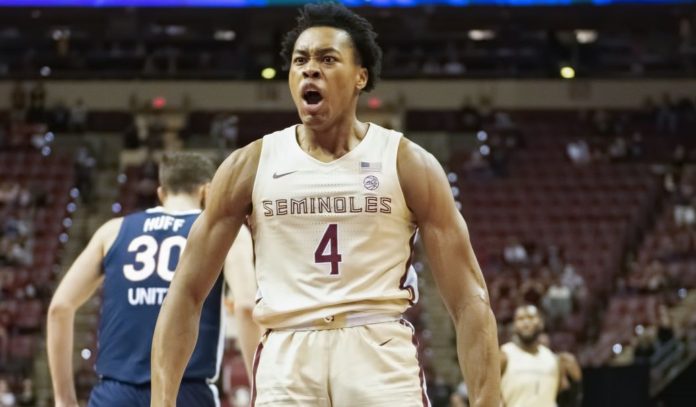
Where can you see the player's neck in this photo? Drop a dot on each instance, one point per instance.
(181, 202)
(336, 140)
(527, 347)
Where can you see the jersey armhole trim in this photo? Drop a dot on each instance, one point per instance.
(117, 241)
(399, 137)
(265, 150)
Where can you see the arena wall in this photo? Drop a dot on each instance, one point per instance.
(418, 94)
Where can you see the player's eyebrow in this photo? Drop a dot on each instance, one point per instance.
(320, 51)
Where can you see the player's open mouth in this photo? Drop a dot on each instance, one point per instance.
(312, 100)
(312, 97)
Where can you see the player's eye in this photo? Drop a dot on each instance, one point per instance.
(328, 59)
(299, 60)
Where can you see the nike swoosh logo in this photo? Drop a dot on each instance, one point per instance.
(386, 342)
(276, 175)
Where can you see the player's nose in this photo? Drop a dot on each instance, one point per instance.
(311, 71)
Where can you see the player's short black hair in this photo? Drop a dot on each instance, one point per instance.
(185, 172)
(368, 53)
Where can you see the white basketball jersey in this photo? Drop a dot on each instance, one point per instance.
(530, 380)
(330, 238)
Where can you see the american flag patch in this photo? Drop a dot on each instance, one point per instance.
(370, 167)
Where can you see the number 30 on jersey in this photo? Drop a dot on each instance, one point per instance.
(145, 248)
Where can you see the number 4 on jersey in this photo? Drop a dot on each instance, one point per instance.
(333, 257)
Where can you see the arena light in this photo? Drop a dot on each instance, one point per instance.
(159, 102)
(585, 36)
(481, 35)
(175, 30)
(225, 35)
(268, 73)
(374, 102)
(60, 33)
(567, 72)
(617, 348)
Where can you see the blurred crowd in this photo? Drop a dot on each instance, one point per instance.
(21, 396)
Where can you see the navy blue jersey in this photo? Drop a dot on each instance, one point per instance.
(137, 272)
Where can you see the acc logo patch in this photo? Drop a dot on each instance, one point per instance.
(371, 182)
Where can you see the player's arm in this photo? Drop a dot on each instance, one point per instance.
(241, 277)
(570, 366)
(78, 285)
(207, 246)
(455, 269)
(569, 370)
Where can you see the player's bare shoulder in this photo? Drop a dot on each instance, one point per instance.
(107, 233)
(240, 166)
(420, 174)
(233, 182)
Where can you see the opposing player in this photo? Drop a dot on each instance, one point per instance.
(334, 205)
(532, 373)
(240, 275)
(133, 258)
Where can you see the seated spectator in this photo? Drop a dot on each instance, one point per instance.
(515, 253)
(432, 67)
(579, 152)
(78, 117)
(503, 121)
(645, 346)
(37, 104)
(575, 283)
(4, 338)
(9, 191)
(531, 292)
(665, 327)
(469, 117)
(84, 168)
(146, 188)
(684, 210)
(453, 67)
(18, 103)
(59, 117)
(667, 118)
(7, 399)
(656, 277)
(131, 139)
(21, 253)
(156, 128)
(27, 397)
(618, 150)
(477, 167)
(602, 122)
(635, 147)
(557, 302)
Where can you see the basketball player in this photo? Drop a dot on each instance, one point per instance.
(334, 205)
(239, 273)
(531, 372)
(133, 259)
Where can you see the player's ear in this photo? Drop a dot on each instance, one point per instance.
(161, 194)
(362, 79)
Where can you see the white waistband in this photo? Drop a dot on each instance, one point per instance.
(345, 320)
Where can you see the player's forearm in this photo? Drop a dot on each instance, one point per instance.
(174, 339)
(60, 352)
(477, 348)
(249, 336)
